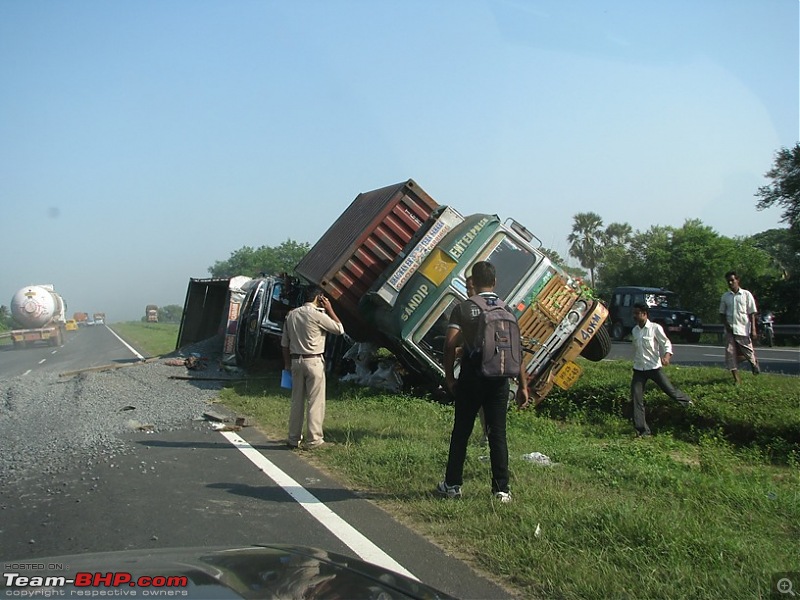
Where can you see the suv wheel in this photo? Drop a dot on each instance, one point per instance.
(618, 331)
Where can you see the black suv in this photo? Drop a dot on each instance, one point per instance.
(664, 309)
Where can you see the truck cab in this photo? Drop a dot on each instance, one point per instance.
(411, 304)
(263, 312)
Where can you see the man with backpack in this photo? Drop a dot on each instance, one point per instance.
(491, 356)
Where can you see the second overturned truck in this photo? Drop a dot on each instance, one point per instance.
(395, 264)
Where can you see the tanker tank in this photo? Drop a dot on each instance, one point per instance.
(42, 314)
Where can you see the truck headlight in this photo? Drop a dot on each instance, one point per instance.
(577, 311)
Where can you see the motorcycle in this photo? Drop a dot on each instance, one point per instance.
(766, 330)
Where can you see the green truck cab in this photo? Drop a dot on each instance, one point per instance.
(411, 304)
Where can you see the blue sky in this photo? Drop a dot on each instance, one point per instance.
(141, 141)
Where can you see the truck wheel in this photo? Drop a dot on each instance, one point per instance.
(618, 331)
(598, 347)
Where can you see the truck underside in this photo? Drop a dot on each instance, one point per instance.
(24, 338)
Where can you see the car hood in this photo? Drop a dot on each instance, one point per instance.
(259, 571)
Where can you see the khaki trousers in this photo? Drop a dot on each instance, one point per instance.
(308, 400)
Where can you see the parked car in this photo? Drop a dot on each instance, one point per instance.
(664, 309)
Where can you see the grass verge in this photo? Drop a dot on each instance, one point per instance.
(707, 508)
(153, 339)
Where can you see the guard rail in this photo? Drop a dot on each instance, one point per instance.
(780, 329)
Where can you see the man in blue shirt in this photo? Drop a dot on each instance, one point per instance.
(651, 350)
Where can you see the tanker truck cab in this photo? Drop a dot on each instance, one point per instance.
(558, 321)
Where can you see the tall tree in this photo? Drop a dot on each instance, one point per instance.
(781, 293)
(265, 259)
(785, 187)
(587, 240)
(618, 234)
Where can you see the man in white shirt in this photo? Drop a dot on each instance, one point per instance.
(737, 310)
(651, 350)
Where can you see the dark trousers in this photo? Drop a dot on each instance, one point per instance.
(638, 383)
(473, 392)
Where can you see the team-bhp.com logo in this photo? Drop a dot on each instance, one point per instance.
(35, 585)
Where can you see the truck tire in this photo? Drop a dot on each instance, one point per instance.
(618, 331)
(598, 347)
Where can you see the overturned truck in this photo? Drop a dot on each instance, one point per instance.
(395, 264)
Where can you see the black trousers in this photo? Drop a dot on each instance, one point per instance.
(474, 391)
(638, 382)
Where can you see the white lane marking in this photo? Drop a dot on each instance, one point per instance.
(139, 356)
(356, 541)
(43, 360)
(54, 351)
(26, 372)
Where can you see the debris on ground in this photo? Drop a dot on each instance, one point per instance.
(538, 458)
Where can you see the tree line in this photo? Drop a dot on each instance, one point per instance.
(690, 260)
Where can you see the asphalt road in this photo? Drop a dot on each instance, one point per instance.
(198, 487)
(771, 360)
(88, 347)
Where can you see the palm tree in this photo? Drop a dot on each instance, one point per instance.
(618, 234)
(587, 240)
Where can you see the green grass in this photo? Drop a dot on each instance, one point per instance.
(153, 339)
(707, 508)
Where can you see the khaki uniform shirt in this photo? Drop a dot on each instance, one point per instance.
(305, 328)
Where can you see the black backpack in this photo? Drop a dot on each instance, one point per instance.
(497, 343)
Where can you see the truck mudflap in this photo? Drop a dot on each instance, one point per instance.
(554, 363)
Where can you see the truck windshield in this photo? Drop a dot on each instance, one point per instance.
(512, 261)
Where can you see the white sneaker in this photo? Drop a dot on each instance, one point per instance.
(448, 491)
(503, 497)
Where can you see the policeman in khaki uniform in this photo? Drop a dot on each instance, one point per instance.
(303, 346)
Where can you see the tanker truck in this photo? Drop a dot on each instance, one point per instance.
(41, 313)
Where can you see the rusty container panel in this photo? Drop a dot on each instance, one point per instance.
(362, 243)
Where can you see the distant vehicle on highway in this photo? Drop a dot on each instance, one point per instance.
(90, 321)
(71, 325)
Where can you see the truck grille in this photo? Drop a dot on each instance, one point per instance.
(550, 307)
